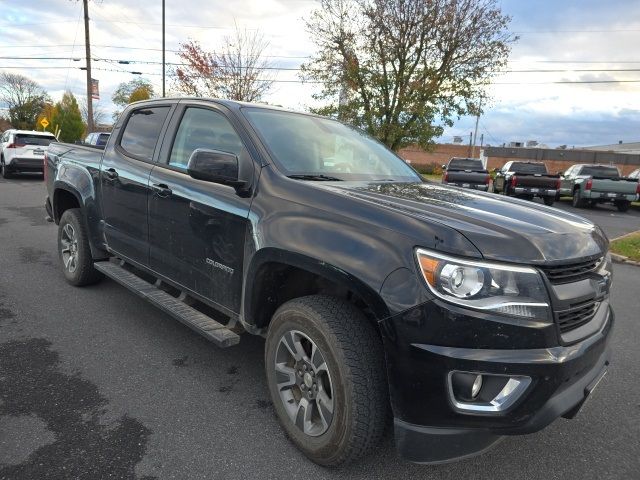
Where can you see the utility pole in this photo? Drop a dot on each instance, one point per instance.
(475, 136)
(163, 69)
(87, 45)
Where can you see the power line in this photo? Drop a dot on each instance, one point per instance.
(147, 62)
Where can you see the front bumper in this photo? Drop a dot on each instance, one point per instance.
(429, 428)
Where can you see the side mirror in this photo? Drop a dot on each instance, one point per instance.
(214, 166)
(444, 167)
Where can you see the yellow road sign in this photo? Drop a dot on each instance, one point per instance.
(44, 122)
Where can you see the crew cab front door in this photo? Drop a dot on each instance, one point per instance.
(197, 228)
(124, 181)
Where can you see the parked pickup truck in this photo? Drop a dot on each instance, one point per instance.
(591, 184)
(466, 173)
(527, 180)
(469, 316)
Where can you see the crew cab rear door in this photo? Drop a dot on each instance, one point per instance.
(124, 180)
(197, 228)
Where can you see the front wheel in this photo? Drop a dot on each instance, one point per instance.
(74, 250)
(549, 201)
(326, 376)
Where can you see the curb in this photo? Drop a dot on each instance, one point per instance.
(621, 258)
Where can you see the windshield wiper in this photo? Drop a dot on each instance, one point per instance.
(315, 177)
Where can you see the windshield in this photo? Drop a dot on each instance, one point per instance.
(528, 168)
(465, 164)
(605, 172)
(324, 149)
(26, 139)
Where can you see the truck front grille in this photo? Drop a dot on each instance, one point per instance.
(577, 315)
(571, 272)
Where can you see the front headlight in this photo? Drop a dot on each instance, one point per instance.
(506, 289)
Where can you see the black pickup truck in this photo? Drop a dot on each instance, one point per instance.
(527, 180)
(466, 173)
(468, 316)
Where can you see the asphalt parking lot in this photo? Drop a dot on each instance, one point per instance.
(96, 383)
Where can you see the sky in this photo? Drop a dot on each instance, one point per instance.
(580, 40)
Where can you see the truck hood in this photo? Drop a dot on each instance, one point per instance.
(501, 228)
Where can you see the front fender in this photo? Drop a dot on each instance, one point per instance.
(335, 274)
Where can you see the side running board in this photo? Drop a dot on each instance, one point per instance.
(192, 318)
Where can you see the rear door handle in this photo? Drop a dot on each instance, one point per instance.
(161, 189)
(111, 173)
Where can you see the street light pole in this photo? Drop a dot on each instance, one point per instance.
(87, 45)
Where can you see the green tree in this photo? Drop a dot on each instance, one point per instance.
(132, 91)
(67, 116)
(403, 69)
(23, 98)
(139, 94)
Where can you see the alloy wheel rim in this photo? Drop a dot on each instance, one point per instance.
(69, 248)
(304, 383)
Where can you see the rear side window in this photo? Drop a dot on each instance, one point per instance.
(142, 131)
(528, 168)
(465, 164)
(26, 139)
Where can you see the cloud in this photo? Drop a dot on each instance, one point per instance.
(554, 36)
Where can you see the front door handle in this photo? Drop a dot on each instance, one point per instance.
(161, 189)
(111, 173)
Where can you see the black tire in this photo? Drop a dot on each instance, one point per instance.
(351, 348)
(79, 271)
(5, 172)
(549, 201)
(623, 205)
(577, 201)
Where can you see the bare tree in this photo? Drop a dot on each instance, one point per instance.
(23, 98)
(99, 113)
(401, 69)
(239, 71)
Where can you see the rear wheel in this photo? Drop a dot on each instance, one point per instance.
(326, 376)
(5, 171)
(548, 201)
(74, 250)
(577, 200)
(623, 205)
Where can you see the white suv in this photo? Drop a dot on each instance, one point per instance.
(23, 151)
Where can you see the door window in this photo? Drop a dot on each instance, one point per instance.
(202, 128)
(142, 131)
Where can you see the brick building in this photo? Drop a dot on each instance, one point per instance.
(556, 159)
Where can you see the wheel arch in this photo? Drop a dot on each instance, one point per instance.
(65, 196)
(275, 276)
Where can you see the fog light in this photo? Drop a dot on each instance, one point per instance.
(477, 385)
(466, 386)
(485, 393)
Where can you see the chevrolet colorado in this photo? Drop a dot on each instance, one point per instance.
(465, 315)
